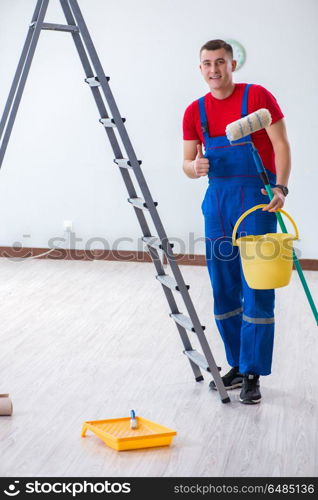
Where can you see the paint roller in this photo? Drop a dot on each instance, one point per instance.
(241, 128)
(249, 124)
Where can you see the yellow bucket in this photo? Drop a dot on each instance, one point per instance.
(267, 259)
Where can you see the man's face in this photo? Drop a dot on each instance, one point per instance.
(217, 68)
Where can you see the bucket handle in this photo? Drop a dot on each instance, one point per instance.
(238, 222)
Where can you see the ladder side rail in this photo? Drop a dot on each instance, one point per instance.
(20, 66)
(201, 337)
(24, 75)
(103, 114)
(131, 190)
(120, 125)
(185, 293)
(124, 136)
(174, 309)
(212, 364)
(147, 195)
(118, 120)
(126, 141)
(198, 328)
(105, 86)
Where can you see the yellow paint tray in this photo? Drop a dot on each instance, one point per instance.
(117, 434)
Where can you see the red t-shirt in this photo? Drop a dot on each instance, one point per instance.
(221, 112)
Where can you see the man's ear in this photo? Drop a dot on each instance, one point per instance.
(234, 64)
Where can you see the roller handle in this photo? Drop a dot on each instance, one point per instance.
(239, 220)
(259, 166)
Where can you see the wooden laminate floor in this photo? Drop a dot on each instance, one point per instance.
(91, 340)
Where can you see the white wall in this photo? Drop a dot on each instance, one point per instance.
(59, 164)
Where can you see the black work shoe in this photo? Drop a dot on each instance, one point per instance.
(250, 393)
(232, 380)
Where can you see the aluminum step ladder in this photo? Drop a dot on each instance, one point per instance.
(111, 120)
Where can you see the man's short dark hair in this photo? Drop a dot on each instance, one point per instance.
(217, 44)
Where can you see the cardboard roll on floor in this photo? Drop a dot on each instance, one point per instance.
(5, 405)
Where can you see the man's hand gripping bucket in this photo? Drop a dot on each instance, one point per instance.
(267, 259)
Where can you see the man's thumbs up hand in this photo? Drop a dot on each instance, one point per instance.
(200, 164)
(199, 151)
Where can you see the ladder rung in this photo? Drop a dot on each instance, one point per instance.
(184, 321)
(124, 163)
(198, 359)
(154, 242)
(140, 203)
(169, 282)
(57, 27)
(110, 122)
(93, 81)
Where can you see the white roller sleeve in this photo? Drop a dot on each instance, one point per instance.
(250, 123)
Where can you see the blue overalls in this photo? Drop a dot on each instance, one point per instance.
(244, 316)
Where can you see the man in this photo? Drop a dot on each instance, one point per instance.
(244, 316)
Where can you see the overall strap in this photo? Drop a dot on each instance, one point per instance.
(245, 100)
(203, 118)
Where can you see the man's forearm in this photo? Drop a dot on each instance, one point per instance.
(283, 163)
(188, 168)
